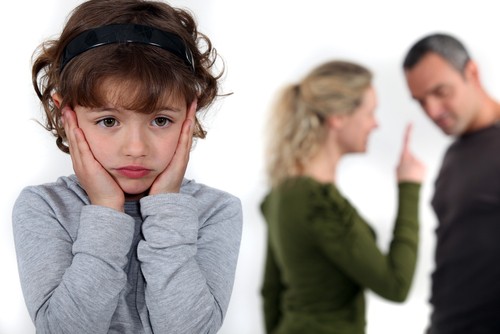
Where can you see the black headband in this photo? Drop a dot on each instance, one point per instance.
(126, 33)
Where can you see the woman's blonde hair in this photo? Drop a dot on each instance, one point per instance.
(297, 126)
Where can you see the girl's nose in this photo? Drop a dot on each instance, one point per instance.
(135, 143)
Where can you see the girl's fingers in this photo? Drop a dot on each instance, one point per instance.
(80, 143)
(186, 138)
(171, 178)
(70, 123)
(192, 110)
(192, 119)
(79, 148)
(181, 156)
(71, 129)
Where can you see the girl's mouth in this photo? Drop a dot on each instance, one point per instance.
(133, 172)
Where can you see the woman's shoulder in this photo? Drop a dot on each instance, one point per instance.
(303, 193)
(310, 188)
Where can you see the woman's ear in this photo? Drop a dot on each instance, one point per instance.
(336, 122)
(57, 100)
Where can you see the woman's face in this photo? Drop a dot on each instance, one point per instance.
(356, 127)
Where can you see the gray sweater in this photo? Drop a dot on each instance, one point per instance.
(166, 265)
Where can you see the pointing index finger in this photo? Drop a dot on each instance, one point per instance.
(406, 141)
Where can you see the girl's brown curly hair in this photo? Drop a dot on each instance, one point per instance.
(153, 73)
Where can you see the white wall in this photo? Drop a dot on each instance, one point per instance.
(265, 44)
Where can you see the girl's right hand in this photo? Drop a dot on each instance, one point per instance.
(409, 168)
(100, 186)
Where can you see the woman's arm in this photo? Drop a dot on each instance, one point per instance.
(347, 240)
(388, 275)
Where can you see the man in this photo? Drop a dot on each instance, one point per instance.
(445, 81)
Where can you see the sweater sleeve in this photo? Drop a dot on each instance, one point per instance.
(70, 286)
(188, 264)
(349, 242)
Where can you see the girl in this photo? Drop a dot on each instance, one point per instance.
(127, 244)
(321, 254)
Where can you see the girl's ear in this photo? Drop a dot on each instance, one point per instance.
(57, 100)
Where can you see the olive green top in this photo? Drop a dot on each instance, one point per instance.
(322, 254)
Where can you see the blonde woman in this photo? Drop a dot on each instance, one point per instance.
(322, 254)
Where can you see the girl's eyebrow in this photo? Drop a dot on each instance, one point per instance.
(167, 108)
(104, 109)
(118, 110)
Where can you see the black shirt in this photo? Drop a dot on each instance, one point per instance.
(466, 280)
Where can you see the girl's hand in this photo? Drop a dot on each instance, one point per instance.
(409, 168)
(170, 180)
(100, 186)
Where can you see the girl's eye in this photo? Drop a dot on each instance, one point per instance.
(161, 121)
(107, 122)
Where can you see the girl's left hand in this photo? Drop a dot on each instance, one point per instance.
(170, 180)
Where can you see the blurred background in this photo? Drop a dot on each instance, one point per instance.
(265, 45)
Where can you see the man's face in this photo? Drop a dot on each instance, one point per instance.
(448, 97)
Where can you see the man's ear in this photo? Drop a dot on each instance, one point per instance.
(471, 71)
(57, 100)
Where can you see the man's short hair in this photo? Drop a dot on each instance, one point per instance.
(446, 46)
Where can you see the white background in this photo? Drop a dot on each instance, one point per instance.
(265, 45)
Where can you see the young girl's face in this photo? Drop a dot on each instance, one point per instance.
(133, 147)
